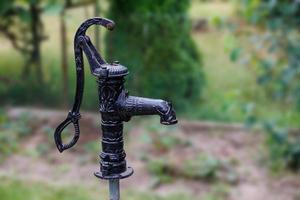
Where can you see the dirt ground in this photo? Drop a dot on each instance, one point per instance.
(227, 142)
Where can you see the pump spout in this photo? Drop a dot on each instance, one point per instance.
(129, 106)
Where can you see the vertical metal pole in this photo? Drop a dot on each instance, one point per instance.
(114, 189)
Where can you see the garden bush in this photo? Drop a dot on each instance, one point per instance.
(272, 51)
(152, 39)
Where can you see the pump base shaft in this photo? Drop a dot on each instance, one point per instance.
(114, 189)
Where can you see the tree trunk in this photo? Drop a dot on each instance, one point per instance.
(64, 57)
(36, 41)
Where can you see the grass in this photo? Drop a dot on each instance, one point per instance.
(16, 190)
(210, 9)
(13, 189)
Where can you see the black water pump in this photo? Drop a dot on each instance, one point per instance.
(116, 106)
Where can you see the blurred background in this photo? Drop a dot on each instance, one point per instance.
(231, 69)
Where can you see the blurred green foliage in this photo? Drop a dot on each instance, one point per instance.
(159, 140)
(203, 167)
(152, 39)
(283, 149)
(211, 168)
(273, 51)
(161, 170)
(275, 46)
(11, 132)
(22, 77)
(21, 23)
(162, 138)
(218, 192)
(28, 92)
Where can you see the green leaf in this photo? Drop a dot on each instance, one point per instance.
(5, 5)
(234, 54)
(24, 15)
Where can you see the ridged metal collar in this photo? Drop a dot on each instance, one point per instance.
(113, 70)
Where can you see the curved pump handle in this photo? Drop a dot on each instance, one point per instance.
(81, 43)
(71, 118)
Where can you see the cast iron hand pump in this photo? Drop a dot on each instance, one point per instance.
(116, 106)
